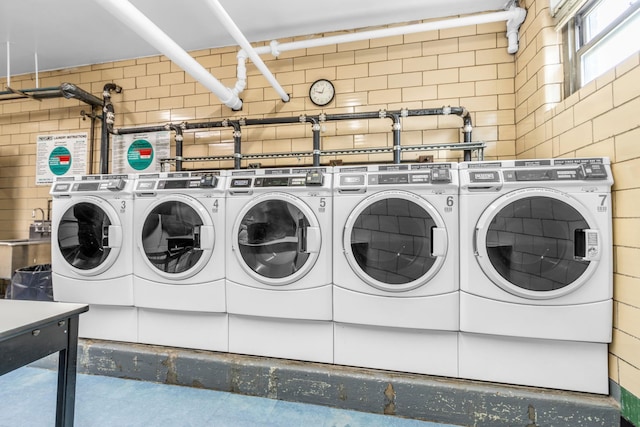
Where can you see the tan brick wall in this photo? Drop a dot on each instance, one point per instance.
(467, 67)
(601, 119)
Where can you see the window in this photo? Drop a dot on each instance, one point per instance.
(600, 35)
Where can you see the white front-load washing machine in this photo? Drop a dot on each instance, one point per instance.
(178, 273)
(91, 252)
(279, 263)
(536, 272)
(395, 267)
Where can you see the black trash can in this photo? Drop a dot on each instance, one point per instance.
(31, 283)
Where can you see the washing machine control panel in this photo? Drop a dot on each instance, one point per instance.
(579, 173)
(90, 183)
(281, 178)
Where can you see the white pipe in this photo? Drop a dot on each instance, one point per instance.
(237, 35)
(514, 17)
(513, 25)
(36, 64)
(8, 65)
(139, 23)
(396, 31)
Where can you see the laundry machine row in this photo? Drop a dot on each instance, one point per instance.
(497, 271)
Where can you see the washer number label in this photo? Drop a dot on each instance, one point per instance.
(450, 203)
(123, 206)
(323, 204)
(603, 203)
(216, 204)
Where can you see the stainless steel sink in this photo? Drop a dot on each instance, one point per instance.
(18, 253)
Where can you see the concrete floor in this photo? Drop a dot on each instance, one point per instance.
(28, 400)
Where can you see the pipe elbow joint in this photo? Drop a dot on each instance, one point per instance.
(513, 26)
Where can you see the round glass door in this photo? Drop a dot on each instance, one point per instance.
(89, 236)
(535, 244)
(395, 241)
(175, 237)
(278, 239)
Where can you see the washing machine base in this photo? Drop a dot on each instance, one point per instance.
(564, 365)
(115, 291)
(438, 312)
(310, 303)
(578, 322)
(187, 329)
(417, 351)
(109, 322)
(308, 340)
(204, 297)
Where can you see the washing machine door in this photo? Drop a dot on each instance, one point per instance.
(395, 241)
(89, 235)
(276, 238)
(177, 237)
(537, 243)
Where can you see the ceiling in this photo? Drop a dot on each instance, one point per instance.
(70, 33)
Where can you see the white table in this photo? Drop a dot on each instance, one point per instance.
(31, 330)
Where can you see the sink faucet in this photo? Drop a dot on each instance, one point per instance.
(33, 214)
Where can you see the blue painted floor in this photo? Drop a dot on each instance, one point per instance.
(27, 399)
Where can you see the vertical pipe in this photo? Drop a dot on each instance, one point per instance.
(104, 137)
(179, 146)
(107, 122)
(315, 128)
(36, 64)
(467, 128)
(92, 138)
(8, 65)
(397, 149)
(237, 145)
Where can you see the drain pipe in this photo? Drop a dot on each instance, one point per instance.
(145, 28)
(237, 35)
(514, 16)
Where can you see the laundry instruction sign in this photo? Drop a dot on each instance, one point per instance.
(60, 155)
(140, 152)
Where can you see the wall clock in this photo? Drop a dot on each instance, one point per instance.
(322, 92)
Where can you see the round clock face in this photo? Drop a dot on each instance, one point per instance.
(322, 92)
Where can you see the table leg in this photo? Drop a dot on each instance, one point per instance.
(67, 365)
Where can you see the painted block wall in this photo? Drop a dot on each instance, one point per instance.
(601, 119)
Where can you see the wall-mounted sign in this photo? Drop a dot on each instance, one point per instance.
(59, 155)
(140, 152)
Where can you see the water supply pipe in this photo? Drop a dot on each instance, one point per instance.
(145, 28)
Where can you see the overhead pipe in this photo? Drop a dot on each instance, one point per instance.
(66, 90)
(514, 17)
(145, 28)
(237, 35)
(69, 91)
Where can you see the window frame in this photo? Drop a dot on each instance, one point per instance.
(574, 48)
